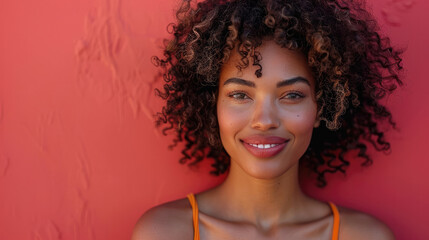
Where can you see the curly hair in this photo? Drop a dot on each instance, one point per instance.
(354, 68)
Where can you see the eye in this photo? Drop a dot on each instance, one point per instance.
(293, 96)
(238, 95)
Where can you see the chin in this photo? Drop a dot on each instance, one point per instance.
(269, 170)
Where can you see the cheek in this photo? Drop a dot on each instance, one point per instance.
(231, 120)
(301, 122)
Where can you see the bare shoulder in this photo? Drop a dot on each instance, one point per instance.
(172, 220)
(359, 225)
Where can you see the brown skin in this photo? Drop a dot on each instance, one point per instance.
(261, 197)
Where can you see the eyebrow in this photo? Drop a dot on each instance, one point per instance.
(291, 81)
(240, 82)
(282, 83)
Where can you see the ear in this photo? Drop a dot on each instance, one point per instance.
(318, 114)
(316, 123)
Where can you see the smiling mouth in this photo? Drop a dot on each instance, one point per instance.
(264, 146)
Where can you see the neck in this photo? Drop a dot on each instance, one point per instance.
(261, 201)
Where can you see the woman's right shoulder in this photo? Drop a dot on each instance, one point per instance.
(171, 220)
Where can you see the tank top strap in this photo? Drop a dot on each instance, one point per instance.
(194, 206)
(336, 227)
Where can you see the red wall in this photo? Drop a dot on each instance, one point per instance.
(79, 156)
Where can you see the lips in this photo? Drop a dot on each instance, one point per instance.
(264, 146)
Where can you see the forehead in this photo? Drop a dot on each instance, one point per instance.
(277, 63)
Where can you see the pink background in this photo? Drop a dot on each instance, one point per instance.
(80, 157)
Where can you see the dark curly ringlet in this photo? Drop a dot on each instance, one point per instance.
(353, 66)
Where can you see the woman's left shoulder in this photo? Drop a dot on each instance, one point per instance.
(359, 225)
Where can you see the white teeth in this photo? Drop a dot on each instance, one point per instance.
(262, 146)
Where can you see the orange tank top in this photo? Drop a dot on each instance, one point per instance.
(193, 202)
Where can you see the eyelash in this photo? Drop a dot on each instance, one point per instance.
(296, 94)
(243, 95)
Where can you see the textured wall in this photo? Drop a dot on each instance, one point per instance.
(79, 156)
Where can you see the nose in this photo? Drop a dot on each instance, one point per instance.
(265, 115)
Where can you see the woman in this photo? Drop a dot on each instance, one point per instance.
(266, 88)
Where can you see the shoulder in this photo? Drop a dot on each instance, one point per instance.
(172, 220)
(359, 225)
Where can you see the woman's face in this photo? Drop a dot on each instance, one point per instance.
(266, 123)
